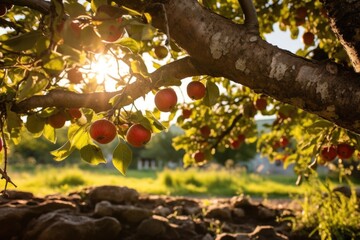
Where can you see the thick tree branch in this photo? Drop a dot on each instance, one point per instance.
(99, 101)
(222, 48)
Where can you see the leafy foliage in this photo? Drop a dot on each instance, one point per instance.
(40, 50)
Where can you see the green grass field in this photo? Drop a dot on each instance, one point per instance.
(42, 180)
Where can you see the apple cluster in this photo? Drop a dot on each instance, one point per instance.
(166, 99)
(341, 150)
(104, 131)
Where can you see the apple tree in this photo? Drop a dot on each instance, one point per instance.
(58, 59)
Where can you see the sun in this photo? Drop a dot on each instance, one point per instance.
(108, 71)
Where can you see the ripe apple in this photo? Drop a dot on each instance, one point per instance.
(344, 150)
(137, 135)
(301, 13)
(186, 113)
(1, 144)
(161, 52)
(205, 131)
(199, 156)
(57, 120)
(328, 153)
(165, 99)
(235, 143)
(284, 141)
(261, 104)
(103, 131)
(74, 113)
(196, 90)
(75, 76)
(3, 9)
(110, 31)
(308, 38)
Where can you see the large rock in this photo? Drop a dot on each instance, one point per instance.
(125, 213)
(113, 194)
(65, 225)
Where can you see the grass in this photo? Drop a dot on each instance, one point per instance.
(43, 180)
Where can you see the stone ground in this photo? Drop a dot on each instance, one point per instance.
(112, 212)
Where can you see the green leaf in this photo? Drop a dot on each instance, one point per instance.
(78, 136)
(32, 85)
(97, 3)
(54, 64)
(129, 43)
(14, 125)
(122, 157)
(212, 94)
(22, 42)
(49, 133)
(139, 67)
(35, 125)
(92, 154)
(75, 9)
(63, 152)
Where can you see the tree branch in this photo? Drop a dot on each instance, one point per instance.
(99, 101)
(251, 21)
(39, 5)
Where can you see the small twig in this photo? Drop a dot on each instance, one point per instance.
(251, 21)
(227, 131)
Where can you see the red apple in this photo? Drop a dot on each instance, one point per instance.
(165, 99)
(75, 76)
(205, 131)
(301, 13)
(344, 150)
(199, 156)
(308, 38)
(1, 144)
(235, 144)
(284, 141)
(196, 90)
(57, 120)
(186, 113)
(261, 104)
(328, 153)
(74, 113)
(103, 131)
(137, 135)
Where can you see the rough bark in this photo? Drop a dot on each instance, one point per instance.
(345, 22)
(219, 47)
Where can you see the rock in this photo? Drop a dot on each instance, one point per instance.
(228, 236)
(153, 226)
(124, 213)
(238, 213)
(162, 211)
(240, 202)
(13, 221)
(265, 233)
(113, 194)
(219, 212)
(65, 225)
(266, 213)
